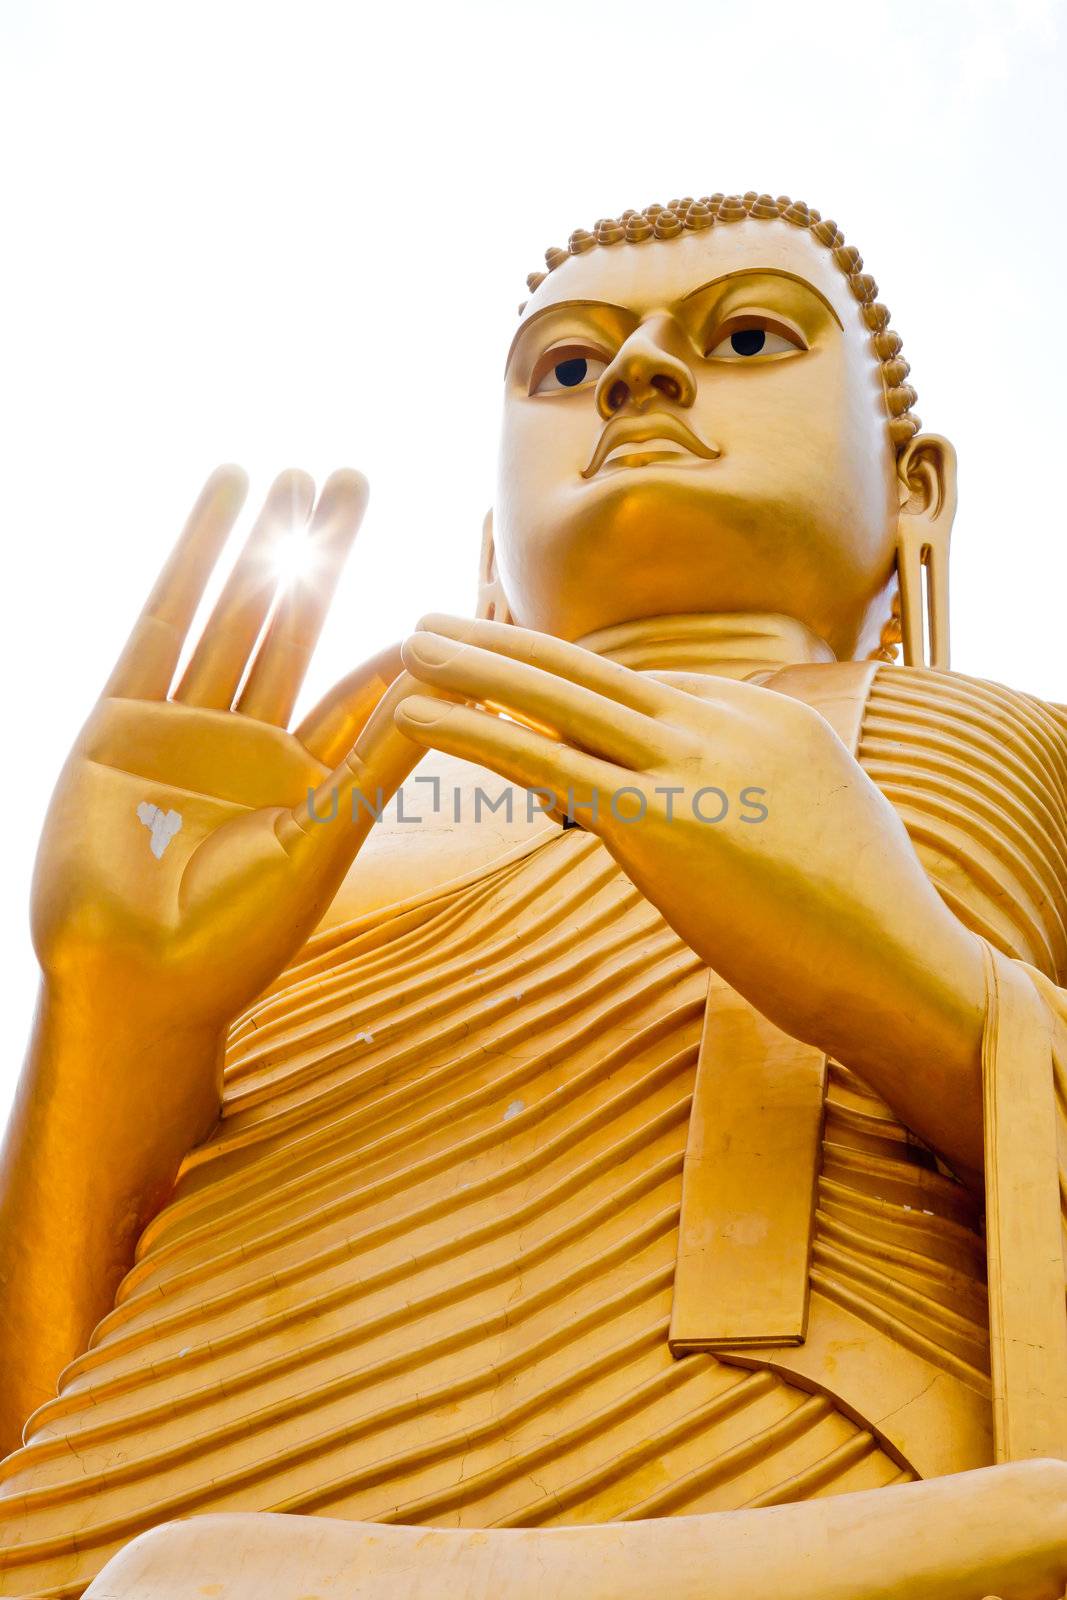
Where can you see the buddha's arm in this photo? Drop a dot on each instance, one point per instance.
(182, 864)
(999, 1533)
(810, 901)
(107, 1106)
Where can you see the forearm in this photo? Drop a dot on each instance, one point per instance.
(107, 1105)
(908, 1018)
(996, 1531)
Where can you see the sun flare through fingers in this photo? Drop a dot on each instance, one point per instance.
(292, 557)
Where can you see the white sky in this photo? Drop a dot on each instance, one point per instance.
(297, 234)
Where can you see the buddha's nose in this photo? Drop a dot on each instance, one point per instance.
(648, 368)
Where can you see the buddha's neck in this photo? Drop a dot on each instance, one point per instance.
(728, 645)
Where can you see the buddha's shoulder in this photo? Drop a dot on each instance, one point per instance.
(957, 700)
(963, 701)
(946, 724)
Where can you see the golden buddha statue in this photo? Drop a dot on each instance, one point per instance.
(643, 1174)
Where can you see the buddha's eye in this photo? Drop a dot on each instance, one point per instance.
(570, 370)
(753, 341)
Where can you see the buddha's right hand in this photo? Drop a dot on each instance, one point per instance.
(181, 864)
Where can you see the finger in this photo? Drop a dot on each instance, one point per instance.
(218, 663)
(573, 778)
(323, 833)
(146, 666)
(569, 661)
(582, 716)
(332, 727)
(292, 633)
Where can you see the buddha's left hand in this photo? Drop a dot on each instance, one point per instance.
(739, 813)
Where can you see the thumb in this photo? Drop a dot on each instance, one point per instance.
(331, 728)
(323, 834)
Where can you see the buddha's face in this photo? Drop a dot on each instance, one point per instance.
(697, 424)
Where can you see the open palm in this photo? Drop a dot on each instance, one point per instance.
(180, 865)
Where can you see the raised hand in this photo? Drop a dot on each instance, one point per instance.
(179, 867)
(740, 814)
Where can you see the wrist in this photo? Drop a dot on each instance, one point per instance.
(124, 1067)
(109, 1103)
(916, 1039)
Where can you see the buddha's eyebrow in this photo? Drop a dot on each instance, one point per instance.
(628, 311)
(564, 305)
(764, 272)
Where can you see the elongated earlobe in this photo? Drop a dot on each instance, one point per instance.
(926, 469)
(492, 601)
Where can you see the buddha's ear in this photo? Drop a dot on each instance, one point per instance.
(926, 480)
(492, 601)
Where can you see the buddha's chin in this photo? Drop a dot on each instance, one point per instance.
(661, 541)
(578, 586)
(638, 557)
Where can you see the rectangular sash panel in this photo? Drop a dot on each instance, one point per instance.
(748, 1192)
(1027, 1318)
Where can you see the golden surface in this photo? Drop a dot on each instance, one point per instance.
(509, 1110)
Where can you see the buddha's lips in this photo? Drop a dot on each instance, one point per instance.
(660, 425)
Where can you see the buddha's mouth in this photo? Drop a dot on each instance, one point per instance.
(673, 440)
(626, 456)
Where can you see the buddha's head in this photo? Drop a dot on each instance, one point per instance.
(706, 411)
